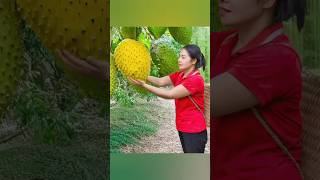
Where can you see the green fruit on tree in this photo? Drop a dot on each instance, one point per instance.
(130, 32)
(10, 51)
(165, 53)
(157, 32)
(79, 26)
(182, 35)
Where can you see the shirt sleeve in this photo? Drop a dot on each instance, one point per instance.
(194, 84)
(173, 77)
(269, 73)
(216, 39)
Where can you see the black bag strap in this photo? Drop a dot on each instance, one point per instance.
(275, 137)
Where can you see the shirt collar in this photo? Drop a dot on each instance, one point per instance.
(264, 37)
(194, 72)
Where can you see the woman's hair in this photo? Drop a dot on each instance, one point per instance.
(286, 9)
(195, 53)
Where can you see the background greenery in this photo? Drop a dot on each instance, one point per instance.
(307, 41)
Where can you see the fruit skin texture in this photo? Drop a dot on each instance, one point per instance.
(113, 75)
(79, 26)
(157, 32)
(165, 52)
(182, 35)
(11, 51)
(133, 59)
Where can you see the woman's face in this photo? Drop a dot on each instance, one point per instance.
(235, 13)
(185, 61)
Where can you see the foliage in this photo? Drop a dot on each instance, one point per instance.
(307, 41)
(216, 24)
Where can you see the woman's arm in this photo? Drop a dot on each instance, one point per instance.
(228, 95)
(160, 82)
(177, 92)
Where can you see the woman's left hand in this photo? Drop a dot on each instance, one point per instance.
(137, 82)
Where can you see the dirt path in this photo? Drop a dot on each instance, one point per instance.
(166, 140)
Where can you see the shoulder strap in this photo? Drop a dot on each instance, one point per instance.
(275, 137)
(197, 106)
(193, 101)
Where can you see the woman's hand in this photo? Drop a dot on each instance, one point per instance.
(91, 67)
(137, 82)
(177, 92)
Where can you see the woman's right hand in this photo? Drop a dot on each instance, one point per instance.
(137, 82)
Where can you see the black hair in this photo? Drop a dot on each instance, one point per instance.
(285, 9)
(195, 53)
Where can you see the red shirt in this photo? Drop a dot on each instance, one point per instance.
(188, 118)
(242, 148)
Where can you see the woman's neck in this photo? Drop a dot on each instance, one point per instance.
(188, 71)
(248, 31)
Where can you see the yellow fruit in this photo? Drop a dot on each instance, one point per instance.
(10, 52)
(79, 26)
(133, 59)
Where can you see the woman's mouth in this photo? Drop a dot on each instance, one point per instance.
(223, 10)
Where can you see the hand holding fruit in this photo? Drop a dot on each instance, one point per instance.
(92, 67)
(137, 82)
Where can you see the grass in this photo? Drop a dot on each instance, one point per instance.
(129, 124)
(80, 160)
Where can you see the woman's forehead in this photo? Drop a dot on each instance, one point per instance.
(183, 52)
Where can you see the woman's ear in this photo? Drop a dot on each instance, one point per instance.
(194, 61)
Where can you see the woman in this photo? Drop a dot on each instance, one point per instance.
(255, 66)
(188, 92)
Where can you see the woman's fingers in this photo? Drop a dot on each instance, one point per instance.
(76, 63)
(91, 67)
(134, 81)
(75, 60)
(97, 63)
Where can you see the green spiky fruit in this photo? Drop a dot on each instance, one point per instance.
(157, 32)
(79, 26)
(10, 51)
(133, 59)
(165, 53)
(130, 32)
(113, 76)
(182, 35)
